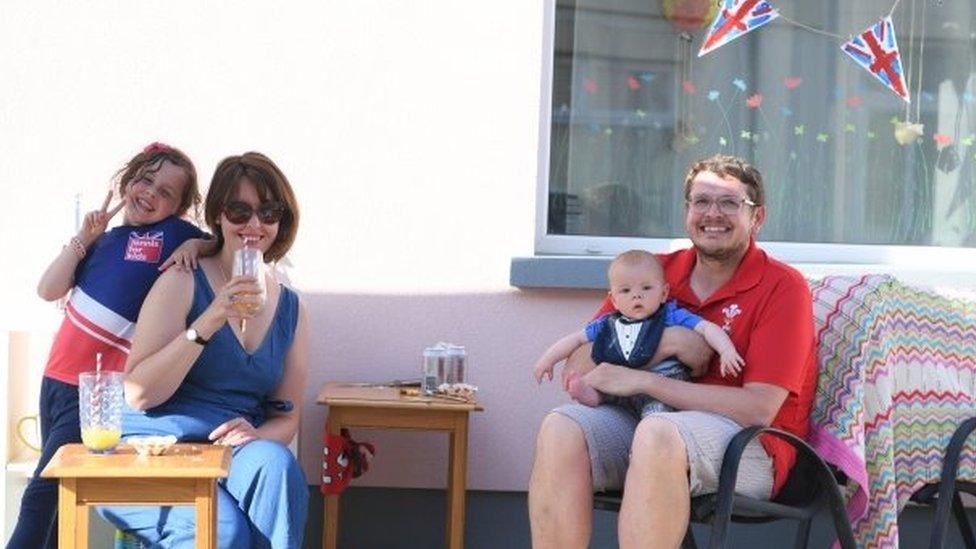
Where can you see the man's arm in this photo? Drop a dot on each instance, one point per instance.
(579, 363)
(752, 404)
(688, 347)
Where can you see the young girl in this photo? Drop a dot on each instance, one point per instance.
(109, 275)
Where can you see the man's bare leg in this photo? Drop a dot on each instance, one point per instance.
(656, 502)
(560, 490)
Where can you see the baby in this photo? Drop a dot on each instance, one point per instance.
(630, 336)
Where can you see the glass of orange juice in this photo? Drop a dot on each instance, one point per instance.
(100, 400)
(249, 261)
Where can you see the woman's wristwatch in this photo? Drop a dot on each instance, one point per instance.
(192, 336)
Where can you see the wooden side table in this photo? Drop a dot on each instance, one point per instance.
(186, 474)
(385, 408)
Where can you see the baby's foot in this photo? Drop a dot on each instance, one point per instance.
(583, 393)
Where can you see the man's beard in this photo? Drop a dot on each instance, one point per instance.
(720, 255)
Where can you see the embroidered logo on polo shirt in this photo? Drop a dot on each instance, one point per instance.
(730, 312)
(146, 247)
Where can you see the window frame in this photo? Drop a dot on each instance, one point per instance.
(808, 256)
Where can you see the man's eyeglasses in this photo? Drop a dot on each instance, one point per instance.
(728, 205)
(269, 213)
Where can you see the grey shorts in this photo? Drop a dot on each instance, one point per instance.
(609, 431)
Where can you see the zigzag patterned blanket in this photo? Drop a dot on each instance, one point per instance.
(897, 376)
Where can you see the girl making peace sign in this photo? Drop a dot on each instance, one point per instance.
(109, 275)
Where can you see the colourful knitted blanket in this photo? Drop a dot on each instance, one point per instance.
(897, 376)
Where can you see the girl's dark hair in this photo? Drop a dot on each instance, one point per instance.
(271, 185)
(149, 160)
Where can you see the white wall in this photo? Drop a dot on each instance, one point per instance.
(408, 129)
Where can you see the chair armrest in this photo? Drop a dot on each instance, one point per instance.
(947, 480)
(730, 471)
(950, 463)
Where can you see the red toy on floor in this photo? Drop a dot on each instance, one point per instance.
(343, 459)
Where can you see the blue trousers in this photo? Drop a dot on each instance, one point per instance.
(263, 502)
(37, 525)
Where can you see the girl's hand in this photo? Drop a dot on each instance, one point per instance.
(184, 257)
(96, 221)
(234, 432)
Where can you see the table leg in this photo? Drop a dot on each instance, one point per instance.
(330, 524)
(456, 479)
(206, 513)
(72, 516)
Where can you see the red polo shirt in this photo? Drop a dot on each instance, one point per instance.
(767, 310)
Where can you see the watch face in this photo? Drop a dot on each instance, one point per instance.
(192, 335)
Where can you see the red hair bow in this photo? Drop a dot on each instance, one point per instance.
(156, 146)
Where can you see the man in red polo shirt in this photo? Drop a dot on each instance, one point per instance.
(663, 459)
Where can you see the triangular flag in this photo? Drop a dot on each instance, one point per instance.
(876, 50)
(736, 18)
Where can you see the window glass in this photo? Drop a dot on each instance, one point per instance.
(633, 106)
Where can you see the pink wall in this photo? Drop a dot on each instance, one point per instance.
(504, 333)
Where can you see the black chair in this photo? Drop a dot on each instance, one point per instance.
(945, 493)
(810, 487)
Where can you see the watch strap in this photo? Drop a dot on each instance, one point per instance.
(198, 338)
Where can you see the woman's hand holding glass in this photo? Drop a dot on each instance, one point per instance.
(242, 297)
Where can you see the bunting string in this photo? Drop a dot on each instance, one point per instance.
(911, 57)
(875, 48)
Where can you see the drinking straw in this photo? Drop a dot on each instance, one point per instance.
(247, 244)
(96, 394)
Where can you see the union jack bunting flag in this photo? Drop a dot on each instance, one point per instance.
(735, 18)
(876, 50)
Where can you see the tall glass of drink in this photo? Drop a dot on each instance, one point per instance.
(249, 262)
(100, 399)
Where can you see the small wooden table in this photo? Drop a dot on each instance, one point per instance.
(185, 474)
(385, 408)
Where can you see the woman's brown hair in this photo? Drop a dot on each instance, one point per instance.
(271, 185)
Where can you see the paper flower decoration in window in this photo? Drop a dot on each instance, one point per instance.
(907, 133)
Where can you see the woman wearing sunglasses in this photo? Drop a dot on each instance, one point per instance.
(194, 374)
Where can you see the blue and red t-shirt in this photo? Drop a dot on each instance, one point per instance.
(111, 283)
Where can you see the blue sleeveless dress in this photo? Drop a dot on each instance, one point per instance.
(226, 381)
(264, 500)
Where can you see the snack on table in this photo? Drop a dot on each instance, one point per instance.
(460, 390)
(151, 445)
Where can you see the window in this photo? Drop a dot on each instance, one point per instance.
(632, 106)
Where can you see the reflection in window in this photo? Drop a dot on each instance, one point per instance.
(632, 107)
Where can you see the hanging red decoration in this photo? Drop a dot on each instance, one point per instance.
(689, 15)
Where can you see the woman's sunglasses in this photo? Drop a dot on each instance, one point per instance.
(239, 213)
